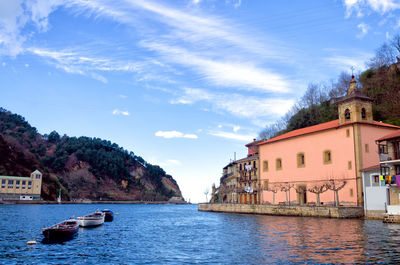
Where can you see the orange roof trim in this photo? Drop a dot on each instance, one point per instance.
(396, 134)
(321, 127)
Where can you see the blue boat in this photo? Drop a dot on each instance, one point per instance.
(109, 215)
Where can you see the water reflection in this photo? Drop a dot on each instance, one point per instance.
(171, 234)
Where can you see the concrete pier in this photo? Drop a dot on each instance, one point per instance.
(285, 210)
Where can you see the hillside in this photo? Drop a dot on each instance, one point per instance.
(84, 167)
(317, 105)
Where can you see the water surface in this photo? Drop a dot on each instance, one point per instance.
(179, 234)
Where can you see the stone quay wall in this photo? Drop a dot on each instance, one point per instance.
(285, 210)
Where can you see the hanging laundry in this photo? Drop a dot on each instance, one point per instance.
(387, 180)
(398, 180)
(393, 180)
(382, 178)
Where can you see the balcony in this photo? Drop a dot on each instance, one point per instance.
(384, 157)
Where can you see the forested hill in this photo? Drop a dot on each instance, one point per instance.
(84, 167)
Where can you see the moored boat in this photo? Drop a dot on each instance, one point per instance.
(109, 215)
(93, 219)
(61, 231)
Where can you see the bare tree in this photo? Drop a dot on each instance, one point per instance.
(384, 56)
(206, 191)
(340, 87)
(396, 42)
(336, 185)
(318, 189)
(274, 189)
(286, 188)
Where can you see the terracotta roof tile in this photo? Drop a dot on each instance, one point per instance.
(321, 127)
(396, 134)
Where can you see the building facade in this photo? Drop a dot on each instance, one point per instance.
(322, 164)
(228, 187)
(389, 155)
(20, 188)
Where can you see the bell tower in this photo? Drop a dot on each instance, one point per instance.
(355, 106)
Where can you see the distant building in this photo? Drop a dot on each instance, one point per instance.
(240, 181)
(389, 154)
(21, 188)
(295, 165)
(228, 189)
(249, 187)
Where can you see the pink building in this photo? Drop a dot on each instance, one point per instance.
(297, 165)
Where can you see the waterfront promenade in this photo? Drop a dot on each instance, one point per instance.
(285, 210)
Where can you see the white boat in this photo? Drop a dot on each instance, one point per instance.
(93, 219)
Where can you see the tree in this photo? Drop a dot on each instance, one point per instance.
(384, 56)
(206, 193)
(318, 189)
(53, 137)
(286, 188)
(336, 185)
(274, 189)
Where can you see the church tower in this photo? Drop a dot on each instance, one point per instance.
(355, 106)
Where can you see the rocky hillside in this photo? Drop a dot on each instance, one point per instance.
(84, 167)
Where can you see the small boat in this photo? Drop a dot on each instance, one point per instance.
(61, 231)
(90, 220)
(109, 215)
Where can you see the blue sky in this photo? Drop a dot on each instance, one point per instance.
(184, 84)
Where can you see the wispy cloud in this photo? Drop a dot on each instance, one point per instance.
(364, 30)
(342, 61)
(120, 112)
(379, 6)
(243, 106)
(175, 134)
(233, 136)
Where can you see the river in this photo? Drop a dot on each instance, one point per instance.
(179, 234)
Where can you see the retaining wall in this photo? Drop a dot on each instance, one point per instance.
(285, 210)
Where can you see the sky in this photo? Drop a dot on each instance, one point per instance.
(185, 84)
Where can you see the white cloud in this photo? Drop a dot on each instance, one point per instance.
(341, 61)
(120, 112)
(236, 128)
(233, 136)
(243, 106)
(240, 75)
(15, 14)
(175, 134)
(380, 6)
(364, 30)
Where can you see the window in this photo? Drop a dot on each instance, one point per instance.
(366, 148)
(383, 149)
(29, 184)
(385, 171)
(349, 165)
(301, 160)
(266, 184)
(265, 165)
(327, 157)
(351, 193)
(3, 183)
(240, 167)
(397, 170)
(38, 176)
(375, 178)
(254, 165)
(347, 132)
(278, 164)
(347, 114)
(10, 183)
(17, 184)
(363, 114)
(23, 184)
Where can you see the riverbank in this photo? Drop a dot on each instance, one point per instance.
(341, 212)
(88, 202)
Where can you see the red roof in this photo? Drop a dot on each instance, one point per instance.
(396, 134)
(371, 168)
(321, 127)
